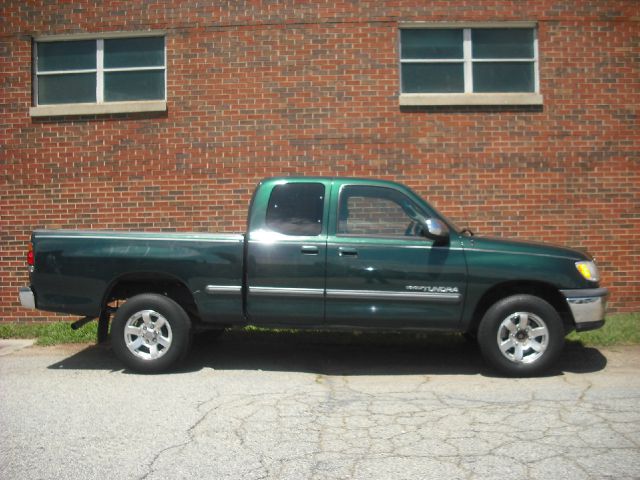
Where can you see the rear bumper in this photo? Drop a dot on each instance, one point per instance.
(27, 298)
(588, 307)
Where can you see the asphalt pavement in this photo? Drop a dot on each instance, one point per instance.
(303, 407)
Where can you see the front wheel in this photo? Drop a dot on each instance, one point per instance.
(521, 335)
(150, 333)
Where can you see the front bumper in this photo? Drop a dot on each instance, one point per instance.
(588, 307)
(27, 298)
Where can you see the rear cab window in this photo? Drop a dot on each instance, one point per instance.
(296, 209)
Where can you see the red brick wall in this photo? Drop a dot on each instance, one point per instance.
(281, 88)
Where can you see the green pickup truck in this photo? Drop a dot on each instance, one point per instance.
(320, 253)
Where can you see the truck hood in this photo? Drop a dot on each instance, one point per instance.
(521, 247)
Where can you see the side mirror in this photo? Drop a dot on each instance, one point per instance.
(436, 230)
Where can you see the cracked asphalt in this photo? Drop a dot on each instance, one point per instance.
(305, 407)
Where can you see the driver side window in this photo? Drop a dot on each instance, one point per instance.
(376, 211)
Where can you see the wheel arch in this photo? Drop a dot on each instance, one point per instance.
(128, 285)
(545, 291)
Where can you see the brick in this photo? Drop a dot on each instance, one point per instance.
(296, 88)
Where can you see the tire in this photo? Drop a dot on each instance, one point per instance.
(521, 336)
(150, 333)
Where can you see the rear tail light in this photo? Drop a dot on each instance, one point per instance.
(31, 258)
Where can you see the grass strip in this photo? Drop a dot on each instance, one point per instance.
(619, 329)
(50, 333)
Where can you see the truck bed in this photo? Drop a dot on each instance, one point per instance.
(78, 268)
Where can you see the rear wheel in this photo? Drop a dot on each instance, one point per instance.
(521, 335)
(150, 333)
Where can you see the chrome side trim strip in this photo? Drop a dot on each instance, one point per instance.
(223, 289)
(378, 295)
(359, 294)
(287, 292)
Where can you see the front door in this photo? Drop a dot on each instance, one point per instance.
(382, 272)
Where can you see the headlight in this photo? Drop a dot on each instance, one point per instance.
(588, 270)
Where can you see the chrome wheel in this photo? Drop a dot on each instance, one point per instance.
(148, 335)
(523, 337)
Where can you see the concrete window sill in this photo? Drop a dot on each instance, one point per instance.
(98, 109)
(434, 99)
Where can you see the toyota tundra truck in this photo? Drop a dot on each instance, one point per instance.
(320, 253)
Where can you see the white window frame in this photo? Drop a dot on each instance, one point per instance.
(469, 97)
(100, 106)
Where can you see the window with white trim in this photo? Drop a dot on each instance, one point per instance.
(99, 71)
(484, 62)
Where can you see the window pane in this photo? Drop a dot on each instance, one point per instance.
(70, 88)
(134, 52)
(432, 77)
(296, 209)
(124, 86)
(66, 55)
(376, 211)
(503, 77)
(431, 43)
(502, 42)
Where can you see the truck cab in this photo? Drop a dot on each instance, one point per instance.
(351, 253)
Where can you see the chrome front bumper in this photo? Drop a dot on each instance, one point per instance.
(27, 298)
(588, 307)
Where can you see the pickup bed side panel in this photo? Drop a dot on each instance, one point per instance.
(73, 270)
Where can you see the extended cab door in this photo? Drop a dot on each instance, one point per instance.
(287, 250)
(382, 272)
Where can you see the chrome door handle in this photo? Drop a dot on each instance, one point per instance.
(347, 252)
(309, 250)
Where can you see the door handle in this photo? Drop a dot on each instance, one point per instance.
(309, 250)
(347, 252)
